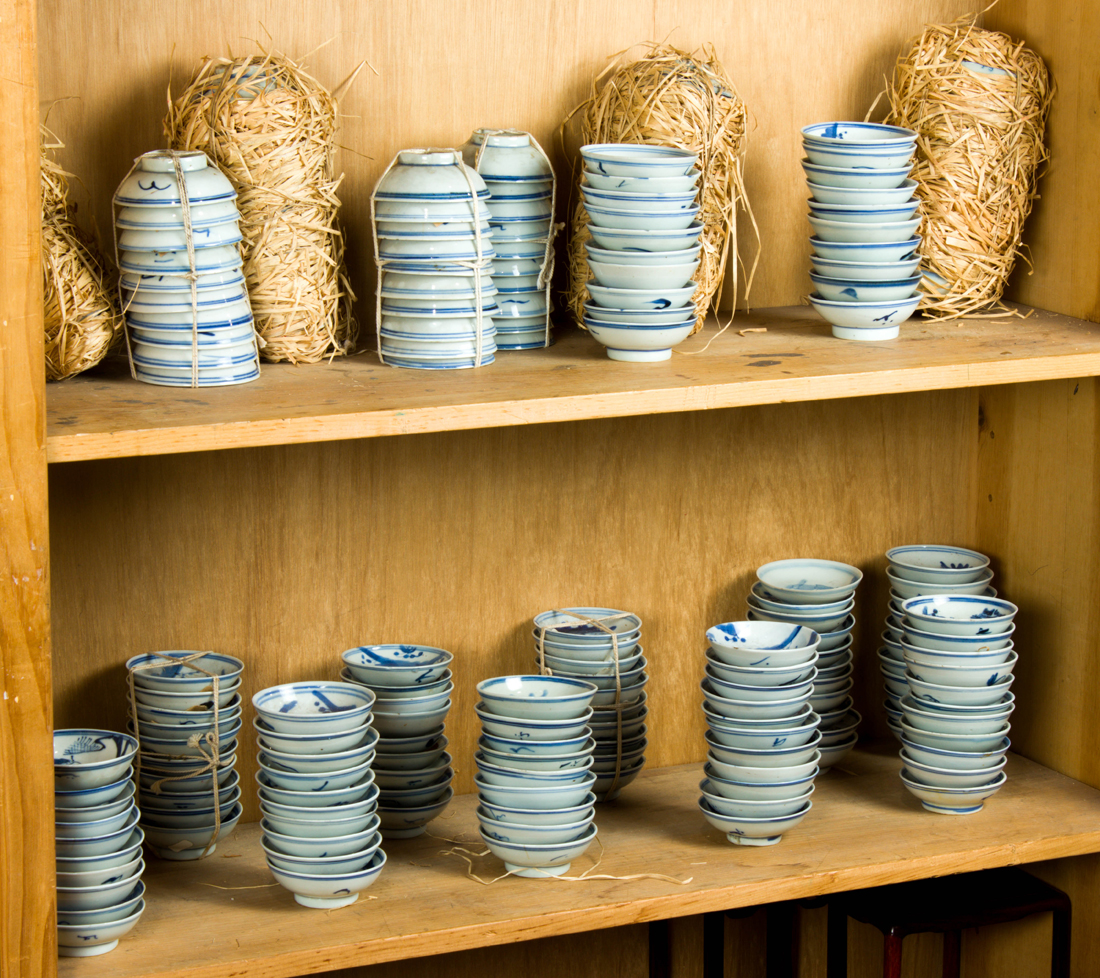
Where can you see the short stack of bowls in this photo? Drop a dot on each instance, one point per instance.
(762, 737)
(412, 687)
(521, 194)
(99, 864)
(534, 777)
(176, 790)
(155, 284)
(819, 594)
(428, 210)
(574, 647)
(317, 791)
(922, 570)
(864, 216)
(642, 207)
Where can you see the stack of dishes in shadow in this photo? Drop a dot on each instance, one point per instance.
(99, 864)
(534, 777)
(317, 791)
(864, 216)
(762, 736)
(178, 339)
(570, 643)
(521, 201)
(436, 297)
(642, 208)
(819, 594)
(176, 716)
(412, 686)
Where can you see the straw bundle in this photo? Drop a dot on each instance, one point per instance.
(672, 98)
(80, 319)
(271, 128)
(978, 101)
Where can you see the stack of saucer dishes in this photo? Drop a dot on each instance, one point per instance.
(534, 775)
(175, 718)
(317, 792)
(436, 297)
(521, 202)
(412, 688)
(864, 217)
(176, 339)
(642, 208)
(819, 594)
(922, 570)
(99, 864)
(763, 735)
(570, 644)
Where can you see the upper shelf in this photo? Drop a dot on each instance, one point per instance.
(108, 415)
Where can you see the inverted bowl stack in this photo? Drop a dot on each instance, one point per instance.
(177, 339)
(955, 639)
(642, 204)
(175, 714)
(521, 204)
(819, 594)
(412, 687)
(436, 297)
(317, 793)
(534, 777)
(99, 865)
(864, 217)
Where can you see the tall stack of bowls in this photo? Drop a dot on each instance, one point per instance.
(428, 209)
(173, 703)
(317, 791)
(574, 647)
(412, 686)
(534, 777)
(864, 217)
(642, 207)
(521, 202)
(819, 594)
(155, 283)
(99, 864)
(763, 739)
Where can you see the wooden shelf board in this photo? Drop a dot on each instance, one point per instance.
(106, 414)
(219, 917)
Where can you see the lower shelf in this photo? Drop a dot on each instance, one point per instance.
(221, 917)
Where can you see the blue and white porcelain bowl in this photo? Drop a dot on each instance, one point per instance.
(863, 213)
(650, 298)
(287, 847)
(963, 644)
(589, 629)
(863, 195)
(222, 235)
(937, 564)
(762, 644)
(634, 239)
(837, 748)
(983, 656)
(836, 641)
(385, 693)
(948, 696)
(967, 743)
(410, 745)
(753, 791)
(190, 717)
(175, 819)
(751, 774)
(418, 796)
(532, 730)
(99, 896)
(807, 581)
(513, 759)
(583, 668)
(865, 251)
(627, 679)
(605, 698)
(621, 277)
(517, 833)
(754, 808)
(320, 743)
(427, 210)
(642, 185)
(873, 135)
(987, 676)
(751, 709)
(93, 813)
(865, 321)
(411, 761)
(865, 271)
(426, 774)
(644, 221)
(421, 699)
(169, 739)
(332, 890)
(635, 160)
(505, 155)
(173, 678)
(760, 694)
(100, 845)
(355, 809)
(101, 875)
(87, 829)
(749, 831)
(520, 777)
(763, 676)
(858, 157)
(320, 798)
(653, 259)
(404, 722)
(280, 777)
(153, 182)
(88, 939)
(546, 698)
(945, 721)
(760, 597)
(208, 261)
(945, 777)
(952, 801)
(318, 828)
(953, 759)
(397, 665)
(625, 200)
(86, 758)
(127, 851)
(312, 764)
(605, 316)
(409, 821)
(785, 755)
(539, 860)
(962, 615)
(535, 796)
(72, 798)
(144, 218)
(430, 174)
(638, 343)
(150, 800)
(904, 588)
(763, 738)
(849, 178)
(847, 290)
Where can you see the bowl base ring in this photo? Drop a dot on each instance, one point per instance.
(411, 833)
(944, 810)
(640, 356)
(88, 950)
(184, 854)
(867, 335)
(744, 840)
(325, 903)
(536, 872)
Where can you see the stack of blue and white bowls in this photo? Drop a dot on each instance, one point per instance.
(819, 594)
(174, 341)
(864, 217)
(521, 194)
(98, 841)
(762, 733)
(643, 217)
(534, 777)
(175, 722)
(412, 685)
(435, 248)
(317, 791)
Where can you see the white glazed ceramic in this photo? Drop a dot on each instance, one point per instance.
(862, 195)
(744, 831)
(644, 222)
(322, 743)
(846, 290)
(536, 697)
(809, 581)
(153, 182)
(629, 277)
(945, 777)
(864, 251)
(407, 822)
(865, 271)
(635, 160)
(906, 588)
(87, 758)
(331, 891)
(953, 801)
(539, 860)
(937, 564)
(963, 675)
(643, 185)
(955, 760)
(865, 321)
(615, 256)
(184, 678)
(88, 940)
(636, 343)
(633, 239)
(960, 614)
(951, 696)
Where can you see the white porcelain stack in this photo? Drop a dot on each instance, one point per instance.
(175, 722)
(412, 686)
(864, 217)
(534, 777)
(98, 841)
(317, 793)
(521, 202)
(819, 594)
(176, 339)
(575, 647)
(763, 738)
(642, 207)
(434, 247)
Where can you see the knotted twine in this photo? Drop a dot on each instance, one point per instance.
(211, 739)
